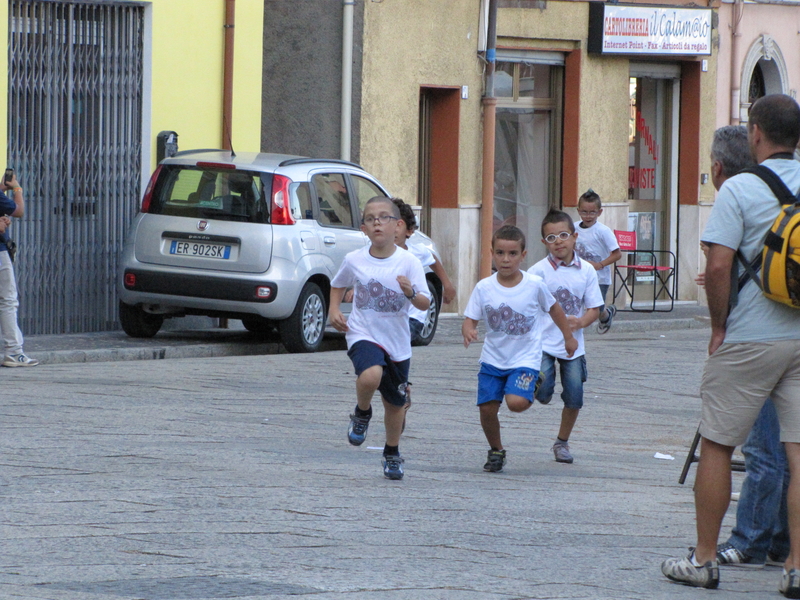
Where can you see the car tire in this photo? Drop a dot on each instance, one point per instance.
(431, 319)
(137, 323)
(259, 326)
(304, 329)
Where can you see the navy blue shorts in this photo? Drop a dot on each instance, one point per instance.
(365, 354)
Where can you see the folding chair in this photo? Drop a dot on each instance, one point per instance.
(736, 464)
(657, 265)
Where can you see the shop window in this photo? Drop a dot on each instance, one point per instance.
(527, 147)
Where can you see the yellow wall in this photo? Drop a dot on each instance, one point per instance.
(188, 49)
(186, 73)
(406, 46)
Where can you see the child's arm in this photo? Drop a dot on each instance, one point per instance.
(560, 319)
(449, 291)
(469, 329)
(335, 316)
(610, 260)
(589, 317)
(420, 301)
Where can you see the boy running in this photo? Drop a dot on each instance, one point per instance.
(386, 279)
(514, 304)
(573, 282)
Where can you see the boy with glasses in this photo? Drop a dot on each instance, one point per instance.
(573, 283)
(598, 246)
(386, 280)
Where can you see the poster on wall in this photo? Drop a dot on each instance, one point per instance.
(647, 226)
(620, 29)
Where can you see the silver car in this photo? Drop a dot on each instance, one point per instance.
(256, 237)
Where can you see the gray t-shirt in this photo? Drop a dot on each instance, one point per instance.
(743, 213)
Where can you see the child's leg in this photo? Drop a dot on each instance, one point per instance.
(604, 309)
(491, 423)
(568, 418)
(517, 403)
(519, 387)
(393, 417)
(573, 375)
(547, 378)
(366, 386)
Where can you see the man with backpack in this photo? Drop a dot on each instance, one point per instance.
(754, 351)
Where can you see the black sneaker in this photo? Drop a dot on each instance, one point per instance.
(393, 466)
(727, 554)
(357, 432)
(495, 461)
(604, 325)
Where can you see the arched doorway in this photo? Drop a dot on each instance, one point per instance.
(763, 72)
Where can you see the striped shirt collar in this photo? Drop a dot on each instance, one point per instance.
(555, 262)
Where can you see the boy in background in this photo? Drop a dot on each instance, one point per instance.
(573, 283)
(598, 246)
(513, 303)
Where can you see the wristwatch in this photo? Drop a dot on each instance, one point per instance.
(413, 294)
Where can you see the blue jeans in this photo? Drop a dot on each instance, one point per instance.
(761, 516)
(573, 374)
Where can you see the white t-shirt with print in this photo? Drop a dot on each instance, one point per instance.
(575, 289)
(513, 318)
(380, 308)
(596, 243)
(743, 212)
(425, 256)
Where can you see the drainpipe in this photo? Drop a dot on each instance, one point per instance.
(736, 72)
(489, 110)
(227, 76)
(347, 78)
(227, 90)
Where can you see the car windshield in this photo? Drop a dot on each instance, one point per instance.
(226, 195)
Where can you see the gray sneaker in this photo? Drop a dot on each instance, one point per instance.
(357, 432)
(790, 584)
(561, 450)
(19, 360)
(683, 571)
(393, 467)
(604, 326)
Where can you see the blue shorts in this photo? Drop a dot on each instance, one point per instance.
(573, 375)
(416, 329)
(495, 384)
(393, 384)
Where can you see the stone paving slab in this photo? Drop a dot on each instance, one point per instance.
(231, 477)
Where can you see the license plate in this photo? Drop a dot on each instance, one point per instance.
(200, 249)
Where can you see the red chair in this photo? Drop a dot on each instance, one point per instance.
(650, 268)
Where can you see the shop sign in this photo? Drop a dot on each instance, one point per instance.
(649, 30)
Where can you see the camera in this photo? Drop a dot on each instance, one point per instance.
(8, 176)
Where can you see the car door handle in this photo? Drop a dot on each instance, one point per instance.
(329, 240)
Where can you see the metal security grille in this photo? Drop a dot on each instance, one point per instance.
(74, 131)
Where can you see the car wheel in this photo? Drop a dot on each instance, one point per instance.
(138, 323)
(431, 320)
(258, 325)
(303, 330)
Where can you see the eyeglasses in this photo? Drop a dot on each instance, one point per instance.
(589, 213)
(383, 220)
(564, 235)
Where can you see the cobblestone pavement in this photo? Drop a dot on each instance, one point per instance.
(231, 477)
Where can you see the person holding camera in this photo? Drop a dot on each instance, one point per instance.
(12, 204)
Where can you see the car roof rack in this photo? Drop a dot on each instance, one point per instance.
(301, 161)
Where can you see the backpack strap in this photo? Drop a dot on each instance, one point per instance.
(774, 242)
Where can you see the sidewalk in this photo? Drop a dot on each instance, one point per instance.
(236, 341)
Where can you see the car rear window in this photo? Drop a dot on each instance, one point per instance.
(207, 193)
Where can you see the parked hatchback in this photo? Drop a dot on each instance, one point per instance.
(256, 237)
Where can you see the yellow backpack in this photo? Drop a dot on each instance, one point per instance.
(779, 261)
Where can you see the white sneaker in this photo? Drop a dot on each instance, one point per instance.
(19, 360)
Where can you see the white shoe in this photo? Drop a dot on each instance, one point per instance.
(19, 360)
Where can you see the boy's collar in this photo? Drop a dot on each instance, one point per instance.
(557, 262)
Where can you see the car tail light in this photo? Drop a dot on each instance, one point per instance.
(148, 192)
(213, 165)
(130, 280)
(281, 205)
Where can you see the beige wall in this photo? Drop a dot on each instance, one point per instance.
(408, 45)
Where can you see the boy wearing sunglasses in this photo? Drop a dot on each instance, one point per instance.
(573, 283)
(598, 246)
